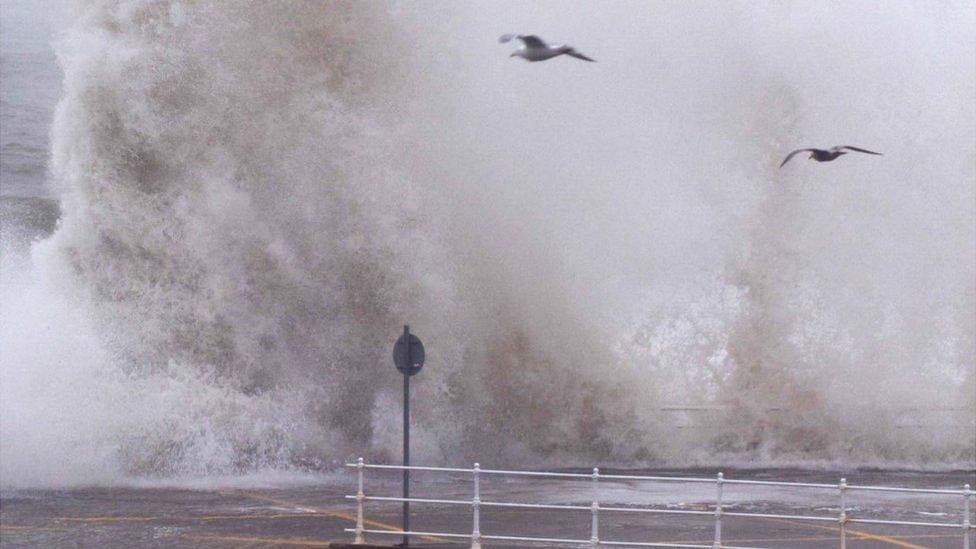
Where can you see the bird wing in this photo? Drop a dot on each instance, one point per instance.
(531, 41)
(792, 154)
(578, 55)
(860, 150)
(506, 38)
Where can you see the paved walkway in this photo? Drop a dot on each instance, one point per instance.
(317, 517)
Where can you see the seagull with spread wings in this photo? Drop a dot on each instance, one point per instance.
(826, 155)
(535, 49)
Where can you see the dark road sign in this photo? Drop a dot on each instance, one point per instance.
(408, 360)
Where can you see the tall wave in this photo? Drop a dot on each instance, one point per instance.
(603, 260)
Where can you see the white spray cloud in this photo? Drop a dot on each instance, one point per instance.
(256, 197)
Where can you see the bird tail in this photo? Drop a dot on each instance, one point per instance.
(578, 55)
(858, 149)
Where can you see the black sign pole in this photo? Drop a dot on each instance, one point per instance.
(408, 356)
(406, 437)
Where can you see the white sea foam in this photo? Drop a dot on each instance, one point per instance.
(603, 260)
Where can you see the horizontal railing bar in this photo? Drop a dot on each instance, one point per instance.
(654, 544)
(535, 506)
(544, 540)
(535, 473)
(412, 468)
(771, 515)
(658, 511)
(662, 479)
(414, 500)
(482, 503)
(943, 491)
(907, 523)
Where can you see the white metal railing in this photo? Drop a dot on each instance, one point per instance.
(476, 536)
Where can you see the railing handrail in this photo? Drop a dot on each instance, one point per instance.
(726, 480)
(718, 510)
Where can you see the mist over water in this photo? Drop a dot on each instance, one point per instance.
(604, 261)
(29, 87)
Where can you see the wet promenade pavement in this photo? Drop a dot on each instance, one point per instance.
(315, 514)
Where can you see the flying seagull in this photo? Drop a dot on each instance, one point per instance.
(537, 50)
(826, 155)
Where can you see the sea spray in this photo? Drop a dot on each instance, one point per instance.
(257, 196)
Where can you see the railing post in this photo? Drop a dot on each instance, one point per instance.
(843, 513)
(966, 524)
(595, 526)
(476, 507)
(718, 510)
(360, 501)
